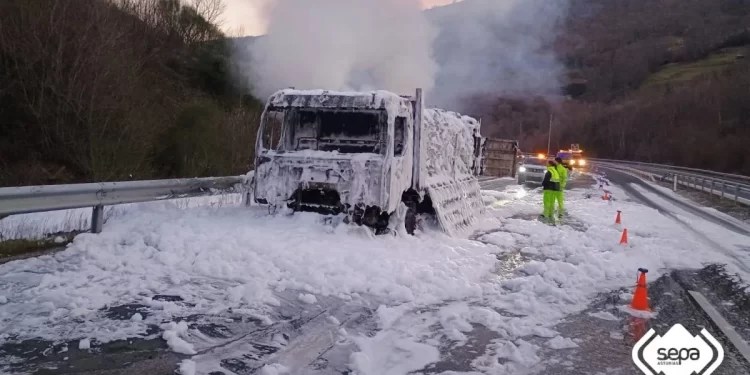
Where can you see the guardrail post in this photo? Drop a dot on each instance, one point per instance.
(674, 181)
(97, 219)
(722, 189)
(712, 186)
(736, 193)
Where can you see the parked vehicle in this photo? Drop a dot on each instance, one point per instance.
(531, 169)
(363, 154)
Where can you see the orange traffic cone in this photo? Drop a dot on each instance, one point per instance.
(606, 196)
(640, 297)
(624, 237)
(617, 219)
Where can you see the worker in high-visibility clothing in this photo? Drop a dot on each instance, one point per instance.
(560, 196)
(550, 186)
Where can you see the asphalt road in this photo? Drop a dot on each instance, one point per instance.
(625, 181)
(577, 181)
(669, 297)
(606, 345)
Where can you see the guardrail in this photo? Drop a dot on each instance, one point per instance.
(729, 186)
(29, 199)
(673, 168)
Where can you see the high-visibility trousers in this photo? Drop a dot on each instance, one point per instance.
(560, 198)
(548, 199)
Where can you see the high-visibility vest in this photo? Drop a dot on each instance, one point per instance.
(554, 176)
(563, 172)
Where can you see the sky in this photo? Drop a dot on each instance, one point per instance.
(244, 17)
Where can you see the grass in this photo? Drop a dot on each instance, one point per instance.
(13, 249)
(687, 71)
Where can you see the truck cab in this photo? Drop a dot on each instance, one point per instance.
(363, 154)
(335, 152)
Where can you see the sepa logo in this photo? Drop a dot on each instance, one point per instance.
(678, 353)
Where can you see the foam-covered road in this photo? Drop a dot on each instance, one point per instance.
(232, 290)
(669, 203)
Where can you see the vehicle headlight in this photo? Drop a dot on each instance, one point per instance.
(582, 162)
(572, 162)
(522, 169)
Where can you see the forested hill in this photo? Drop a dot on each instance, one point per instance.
(657, 80)
(111, 90)
(101, 90)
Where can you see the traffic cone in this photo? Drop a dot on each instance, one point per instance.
(624, 237)
(605, 196)
(617, 219)
(640, 297)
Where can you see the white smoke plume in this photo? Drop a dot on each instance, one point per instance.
(499, 47)
(344, 45)
(472, 47)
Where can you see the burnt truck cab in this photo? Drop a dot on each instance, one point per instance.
(334, 152)
(363, 154)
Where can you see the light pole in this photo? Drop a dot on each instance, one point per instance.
(549, 134)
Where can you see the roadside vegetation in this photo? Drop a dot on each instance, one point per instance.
(17, 249)
(104, 90)
(663, 81)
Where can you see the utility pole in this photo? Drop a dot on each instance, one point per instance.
(549, 134)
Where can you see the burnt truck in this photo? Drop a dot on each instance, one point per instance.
(363, 154)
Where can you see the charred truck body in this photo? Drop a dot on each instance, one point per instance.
(363, 154)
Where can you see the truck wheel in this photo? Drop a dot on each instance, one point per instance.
(410, 221)
(521, 182)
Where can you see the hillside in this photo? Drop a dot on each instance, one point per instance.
(103, 90)
(665, 81)
(154, 91)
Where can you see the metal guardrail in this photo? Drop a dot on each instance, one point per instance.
(29, 199)
(725, 186)
(673, 168)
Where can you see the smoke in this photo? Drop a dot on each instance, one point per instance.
(474, 47)
(344, 45)
(497, 47)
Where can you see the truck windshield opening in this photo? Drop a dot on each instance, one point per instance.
(344, 131)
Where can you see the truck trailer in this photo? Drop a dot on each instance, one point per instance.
(499, 157)
(364, 154)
